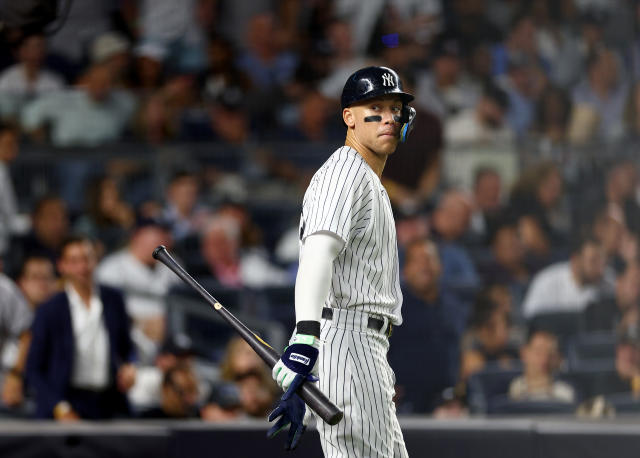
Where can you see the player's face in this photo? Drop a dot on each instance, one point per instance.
(381, 136)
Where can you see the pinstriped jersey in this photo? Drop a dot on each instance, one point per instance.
(345, 197)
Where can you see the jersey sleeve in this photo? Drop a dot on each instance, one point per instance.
(338, 200)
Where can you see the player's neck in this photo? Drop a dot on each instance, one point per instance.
(374, 160)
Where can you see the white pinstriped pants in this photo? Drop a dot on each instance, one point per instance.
(355, 375)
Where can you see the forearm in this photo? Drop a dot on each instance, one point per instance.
(23, 350)
(314, 277)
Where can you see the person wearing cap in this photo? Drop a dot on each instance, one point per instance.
(483, 124)
(145, 283)
(347, 294)
(111, 50)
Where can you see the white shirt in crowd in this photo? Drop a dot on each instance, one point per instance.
(555, 289)
(144, 287)
(14, 80)
(91, 349)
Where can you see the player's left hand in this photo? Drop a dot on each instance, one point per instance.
(291, 410)
(299, 359)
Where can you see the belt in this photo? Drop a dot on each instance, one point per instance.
(372, 323)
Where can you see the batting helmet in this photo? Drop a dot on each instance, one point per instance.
(371, 82)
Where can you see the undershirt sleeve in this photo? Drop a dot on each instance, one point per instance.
(314, 274)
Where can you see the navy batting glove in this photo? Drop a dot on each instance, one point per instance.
(299, 358)
(291, 410)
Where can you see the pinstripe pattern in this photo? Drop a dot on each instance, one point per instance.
(345, 197)
(355, 375)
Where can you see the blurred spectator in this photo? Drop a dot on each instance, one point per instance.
(471, 22)
(229, 264)
(487, 339)
(226, 120)
(176, 30)
(519, 44)
(15, 319)
(8, 204)
(446, 90)
(523, 83)
(449, 223)
(251, 394)
(541, 358)
(111, 50)
(179, 395)
(487, 200)
(91, 115)
(37, 280)
(176, 350)
(552, 117)
(344, 59)
(433, 316)
(145, 282)
(570, 285)
(27, 78)
(249, 389)
(222, 71)
(600, 100)
(49, 228)
(85, 21)
(107, 217)
(619, 191)
(536, 202)
(483, 124)
(621, 310)
(79, 362)
(314, 121)
(507, 263)
(627, 363)
(182, 213)
(267, 66)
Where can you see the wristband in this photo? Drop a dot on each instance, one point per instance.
(311, 328)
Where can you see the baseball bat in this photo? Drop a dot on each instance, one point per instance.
(309, 392)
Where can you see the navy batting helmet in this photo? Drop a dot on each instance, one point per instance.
(371, 82)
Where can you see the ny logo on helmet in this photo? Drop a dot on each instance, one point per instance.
(387, 80)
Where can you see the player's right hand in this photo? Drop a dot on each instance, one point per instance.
(299, 360)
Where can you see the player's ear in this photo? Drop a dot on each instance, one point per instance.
(348, 117)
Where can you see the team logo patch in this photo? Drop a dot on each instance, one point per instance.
(299, 358)
(387, 80)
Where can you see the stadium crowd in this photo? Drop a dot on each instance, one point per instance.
(516, 198)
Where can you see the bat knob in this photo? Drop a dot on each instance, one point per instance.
(157, 251)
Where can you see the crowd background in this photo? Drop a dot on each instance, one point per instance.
(198, 124)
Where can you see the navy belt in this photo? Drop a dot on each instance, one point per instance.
(372, 323)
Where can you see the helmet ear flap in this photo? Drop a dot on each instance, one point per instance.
(407, 116)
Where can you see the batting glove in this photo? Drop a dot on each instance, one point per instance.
(298, 360)
(292, 411)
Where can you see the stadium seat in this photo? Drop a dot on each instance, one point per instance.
(502, 405)
(595, 350)
(487, 384)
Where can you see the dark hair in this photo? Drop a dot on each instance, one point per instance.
(31, 258)
(496, 95)
(483, 309)
(577, 244)
(533, 331)
(44, 200)
(72, 240)
(482, 171)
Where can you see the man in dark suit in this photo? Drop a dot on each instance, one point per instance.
(79, 362)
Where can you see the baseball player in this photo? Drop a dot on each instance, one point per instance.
(347, 295)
